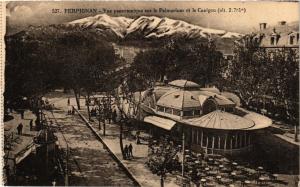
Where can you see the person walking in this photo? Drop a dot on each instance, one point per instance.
(68, 101)
(137, 137)
(22, 114)
(126, 152)
(114, 115)
(73, 110)
(31, 124)
(130, 150)
(20, 128)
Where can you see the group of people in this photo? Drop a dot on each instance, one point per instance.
(128, 151)
(110, 114)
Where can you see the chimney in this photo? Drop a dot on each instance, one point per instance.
(262, 26)
(282, 23)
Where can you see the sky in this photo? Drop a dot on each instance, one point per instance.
(22, 14)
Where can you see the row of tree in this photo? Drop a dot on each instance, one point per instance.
(72, 60)
(266, 76)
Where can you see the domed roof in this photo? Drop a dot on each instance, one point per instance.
(179, 99)
(184, 84)
(221, 120)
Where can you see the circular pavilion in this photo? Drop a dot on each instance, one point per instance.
(211, 121)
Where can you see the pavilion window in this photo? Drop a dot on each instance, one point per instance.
(168, 110)
(292, 40)
(205, 142)
(272, 40)
(196, 112)
(188, 113)
(176, 112)
(209, 142)
(229, 109)
(160, 109)
(222, 142)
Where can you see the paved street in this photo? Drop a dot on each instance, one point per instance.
(89, 164)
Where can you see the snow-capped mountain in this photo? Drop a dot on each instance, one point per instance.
(103, 22)
(148, 27)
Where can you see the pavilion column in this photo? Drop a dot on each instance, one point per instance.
(219, 142)
(231, 143)
(236, 140)
(206, 145)
(225, 144)
(207, 141)
(213, 144)
(201, 138)
(197, 141)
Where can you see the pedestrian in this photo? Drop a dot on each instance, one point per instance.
(109, 115)
(126, 152)
(19, 128)
(130, 150)
(68, 101)
(69, 110)
(73, 111)
(137, 137)
(22, 114)
(31, 124)
(114, 115)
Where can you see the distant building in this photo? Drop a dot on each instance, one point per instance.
(277, 37)
(128, 52)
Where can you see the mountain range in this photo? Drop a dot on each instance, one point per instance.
(127, 31)
(148, 27)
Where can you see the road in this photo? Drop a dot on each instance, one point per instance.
(89, 163)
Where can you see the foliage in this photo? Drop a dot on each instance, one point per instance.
(197, 61)
(69, 59)
(257, 73)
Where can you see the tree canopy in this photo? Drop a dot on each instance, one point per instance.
(73, 60)
(197, 61)
(257, 73)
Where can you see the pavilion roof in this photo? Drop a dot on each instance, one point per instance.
(179, 99)
(184, 84)
(220, 120)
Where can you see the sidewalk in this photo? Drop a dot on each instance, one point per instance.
(137, 165)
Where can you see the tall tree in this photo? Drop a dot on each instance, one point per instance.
(178, 59)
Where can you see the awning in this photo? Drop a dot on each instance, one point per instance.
(160, 122)
(24, 153)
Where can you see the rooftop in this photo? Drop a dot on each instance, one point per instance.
(184, 84)
(220, 120)
(179, 99)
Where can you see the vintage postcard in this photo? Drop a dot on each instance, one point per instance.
(150, 93)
